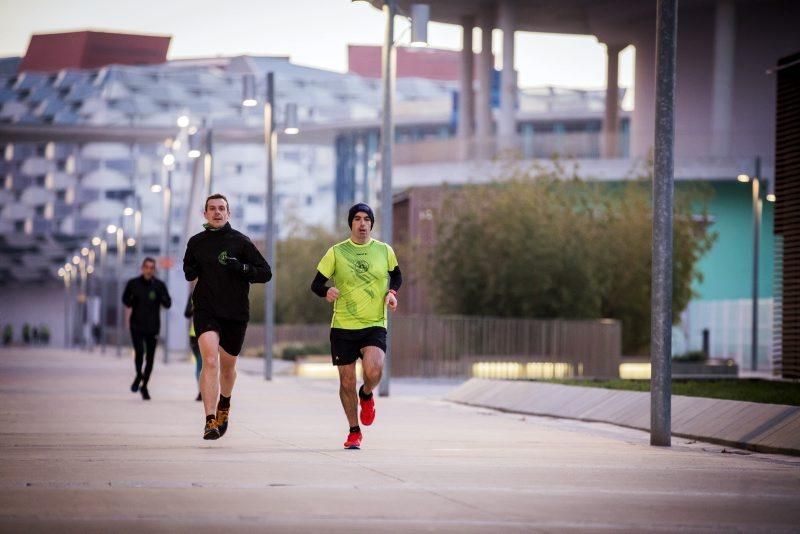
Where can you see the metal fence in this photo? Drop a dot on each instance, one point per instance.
(729, 324)
(459, 346)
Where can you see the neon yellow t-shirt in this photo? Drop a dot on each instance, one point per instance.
(361, 274)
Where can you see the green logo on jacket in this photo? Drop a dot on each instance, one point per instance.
(223, 257)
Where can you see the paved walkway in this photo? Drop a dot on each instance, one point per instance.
(81, 453)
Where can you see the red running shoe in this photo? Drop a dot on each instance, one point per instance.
(367, 414)
(353, 441)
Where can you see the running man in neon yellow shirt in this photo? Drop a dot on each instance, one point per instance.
(366, 278)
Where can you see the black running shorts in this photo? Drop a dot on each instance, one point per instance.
(231, 333)
(346, 345)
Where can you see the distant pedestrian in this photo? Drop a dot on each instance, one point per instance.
(26, 333)
(366, 278)
(224, 262)
(143, 298)
(44, 333)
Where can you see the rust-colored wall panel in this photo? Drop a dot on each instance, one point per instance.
(91, 50)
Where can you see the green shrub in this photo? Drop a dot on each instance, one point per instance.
(291, 352)
(691, 356)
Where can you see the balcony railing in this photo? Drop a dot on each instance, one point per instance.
(526, 146)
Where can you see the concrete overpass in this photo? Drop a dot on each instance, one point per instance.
(726, 49)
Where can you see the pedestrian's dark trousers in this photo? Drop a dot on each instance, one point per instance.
(143, 344)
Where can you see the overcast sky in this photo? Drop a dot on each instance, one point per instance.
(311, 32)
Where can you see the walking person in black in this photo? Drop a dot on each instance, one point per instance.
(224, 262)
(143, 298)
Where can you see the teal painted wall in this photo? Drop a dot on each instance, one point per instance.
(728, 267)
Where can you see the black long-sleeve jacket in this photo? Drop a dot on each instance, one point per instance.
(220, 291)
(145, 298)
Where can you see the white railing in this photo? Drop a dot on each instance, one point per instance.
(729, 323)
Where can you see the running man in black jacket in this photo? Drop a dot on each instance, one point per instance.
(143, 298)
(224, 262)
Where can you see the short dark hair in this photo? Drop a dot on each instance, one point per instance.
(148, 258)
(215, 196)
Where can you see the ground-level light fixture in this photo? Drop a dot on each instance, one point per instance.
(770, 197)
(111, 229)
(76, 259)
(84, 251)
(96, 241)
(743, 178)
(128, 211)
(131, 242)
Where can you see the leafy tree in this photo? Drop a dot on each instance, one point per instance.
(296, 265)
(542, 244)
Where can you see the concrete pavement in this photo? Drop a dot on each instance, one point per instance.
(772, 428)
(81, 453)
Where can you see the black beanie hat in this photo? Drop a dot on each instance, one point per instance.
(360, 207)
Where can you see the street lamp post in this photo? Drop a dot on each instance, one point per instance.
(420, 14)
(169, 161)
(663, 189)
(755, 181)
(120, 236)
(271, 148)
(64, 272)
(103, 244)
(270, 142)
(756, 244)
(387, 143)
(91, 302)
(83, 303)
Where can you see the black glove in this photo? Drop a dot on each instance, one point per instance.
(234, 265)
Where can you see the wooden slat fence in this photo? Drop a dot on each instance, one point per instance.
(447, 346)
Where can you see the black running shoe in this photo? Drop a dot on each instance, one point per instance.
(222, 421)
(135, 385)
(211, 431)
(145, 393)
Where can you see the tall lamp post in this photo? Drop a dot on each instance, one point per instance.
(66, 273)
(420, 13)
(271, 147)
(119, 233)
(663, 202)
(169, 163)
(97, 241)
(755, 181)
(387, 144)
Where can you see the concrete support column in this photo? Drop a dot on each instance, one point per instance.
(722, 96)
(483, 110)
(611, 117)
(643, 121)
(507, 127)
(466, 103)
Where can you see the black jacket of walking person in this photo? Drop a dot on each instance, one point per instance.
(225, 262)
(144, 298)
